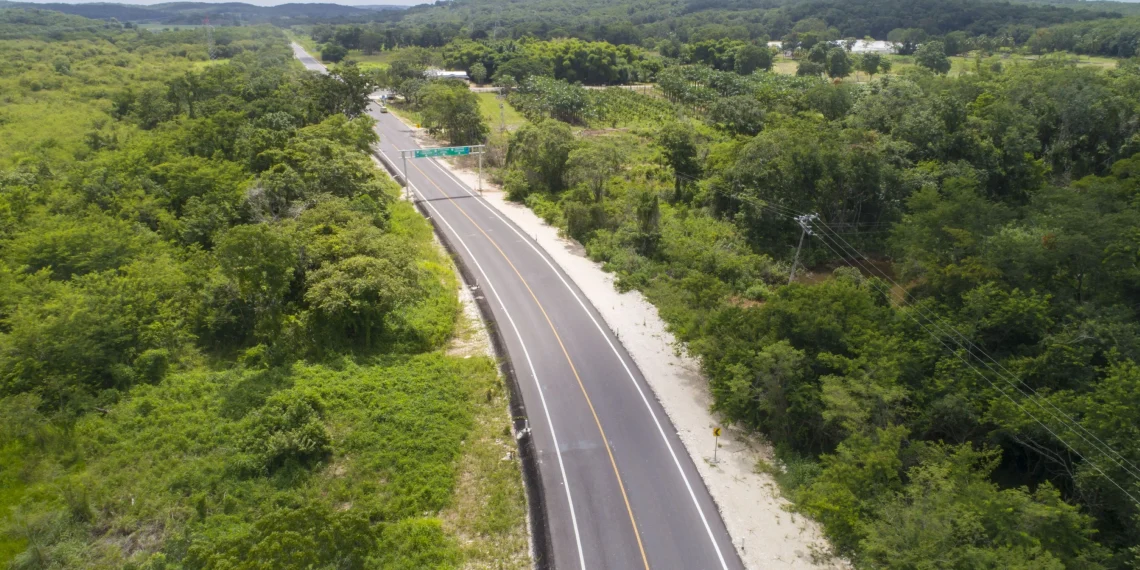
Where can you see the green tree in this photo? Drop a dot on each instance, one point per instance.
(838, 63)
(354, 295)
(478, 73)
(869, 63)
(592, 164)
(932, 55)
(261, 261)
(751, 57)
(807, 68)
(739, 115)
(864, 471)
(344, 89)
(520, 68)
(679, 147)
(451, 109)
(333, 52)
(952, 513)
(540, 152)
(908, 39)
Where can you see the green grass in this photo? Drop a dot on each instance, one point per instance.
(489, 106)
(784, 65)
(405, 113)
(305, 40)
(44, 112)
(959, 64)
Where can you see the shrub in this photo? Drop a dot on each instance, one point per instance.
(286, 431)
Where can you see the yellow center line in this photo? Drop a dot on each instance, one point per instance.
(606, 441)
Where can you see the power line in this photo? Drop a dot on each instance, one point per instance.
(825, 233)
(966, 343)
(962, 342)
(1024, 388)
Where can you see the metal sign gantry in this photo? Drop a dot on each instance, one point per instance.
(434, 152)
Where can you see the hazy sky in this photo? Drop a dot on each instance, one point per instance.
(254, 2)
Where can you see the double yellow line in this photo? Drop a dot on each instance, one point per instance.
(597, 421)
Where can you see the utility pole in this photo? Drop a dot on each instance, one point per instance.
(805, 222)
(209, 38)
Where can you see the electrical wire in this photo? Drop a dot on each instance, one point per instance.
(826, 233)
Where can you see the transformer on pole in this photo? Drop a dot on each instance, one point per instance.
(805, 222)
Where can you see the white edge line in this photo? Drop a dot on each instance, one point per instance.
(526, 353)
(629, 372)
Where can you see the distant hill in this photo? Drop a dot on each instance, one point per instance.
(220, 13)
(394, 7)
(98, 11)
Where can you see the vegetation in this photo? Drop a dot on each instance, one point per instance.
(969, 365)
(650, 23)
(952, 384)
(223, 341)
(452, 110)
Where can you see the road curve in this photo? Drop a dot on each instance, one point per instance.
(620, 490)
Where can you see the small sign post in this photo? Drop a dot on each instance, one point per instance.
(716, 442)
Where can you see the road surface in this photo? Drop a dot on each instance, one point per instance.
(620, 490)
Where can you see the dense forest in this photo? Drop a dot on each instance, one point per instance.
(220, 13)
(651, 23)
(223, 340)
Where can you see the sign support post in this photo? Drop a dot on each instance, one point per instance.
(407, 183)
(716, 443)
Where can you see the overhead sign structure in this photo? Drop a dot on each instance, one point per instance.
(443, 151)
(477, 149)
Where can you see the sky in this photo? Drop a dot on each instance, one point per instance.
(254, 2)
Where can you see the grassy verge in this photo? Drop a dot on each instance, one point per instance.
(959, 64)
(405, 113)
(488, 514)
(489, 106)
(306, 42)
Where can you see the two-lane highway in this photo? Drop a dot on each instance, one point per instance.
(620, 490)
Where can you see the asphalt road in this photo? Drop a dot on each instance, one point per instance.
(621, 492)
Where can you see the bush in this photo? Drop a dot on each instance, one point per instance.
(285, 432)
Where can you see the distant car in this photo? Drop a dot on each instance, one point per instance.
(383, 109)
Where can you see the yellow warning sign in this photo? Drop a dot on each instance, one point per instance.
(716, 432)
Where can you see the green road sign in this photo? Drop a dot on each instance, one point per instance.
(448, 151)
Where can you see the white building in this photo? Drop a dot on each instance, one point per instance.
(861, 46)
(445, 74)
(873, 46)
